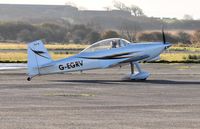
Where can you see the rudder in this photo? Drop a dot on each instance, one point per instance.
(37, 56)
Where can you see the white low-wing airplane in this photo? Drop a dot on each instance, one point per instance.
(103, 54)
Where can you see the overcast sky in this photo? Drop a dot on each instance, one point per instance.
(156, 8)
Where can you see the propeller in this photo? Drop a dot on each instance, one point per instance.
(167, 45)
(163, 35)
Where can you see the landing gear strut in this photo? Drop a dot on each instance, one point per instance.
(139, 75)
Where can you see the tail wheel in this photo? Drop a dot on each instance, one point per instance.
(28, 79)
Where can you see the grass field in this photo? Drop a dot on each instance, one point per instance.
(19, 57)
(180, 57)
(176, 54)
(190, 49)
(55, 46)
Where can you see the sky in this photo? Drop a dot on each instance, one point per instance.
(156, 8)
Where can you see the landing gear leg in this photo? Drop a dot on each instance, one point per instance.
(132, 68)
(139, 75)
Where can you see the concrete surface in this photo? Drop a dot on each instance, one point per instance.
(99, 99)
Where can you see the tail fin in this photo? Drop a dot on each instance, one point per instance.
(37, 56)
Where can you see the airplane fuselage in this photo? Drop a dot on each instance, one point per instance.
(106, 58)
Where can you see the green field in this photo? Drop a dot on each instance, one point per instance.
(15, 52)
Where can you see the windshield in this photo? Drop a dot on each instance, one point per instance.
(107, 44)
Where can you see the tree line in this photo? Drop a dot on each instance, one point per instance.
(24, 32)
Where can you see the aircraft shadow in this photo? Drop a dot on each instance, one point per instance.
(172, 82)
(124, 82)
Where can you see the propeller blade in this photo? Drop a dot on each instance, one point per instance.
(163, 35)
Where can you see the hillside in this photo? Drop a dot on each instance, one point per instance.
(115, 19)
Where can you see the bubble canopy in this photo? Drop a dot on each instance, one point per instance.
(107, 44)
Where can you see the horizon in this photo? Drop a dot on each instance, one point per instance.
(151, 8)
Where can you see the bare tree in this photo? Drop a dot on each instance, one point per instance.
(196, 37)
(119, 5)
(95, 26)
(130, 31)
(135, 10)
